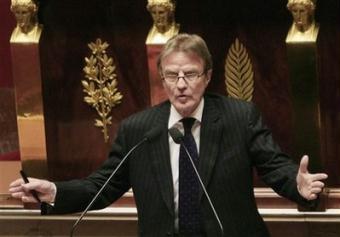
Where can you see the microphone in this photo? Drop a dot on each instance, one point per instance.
(177, 136)
(148, 136)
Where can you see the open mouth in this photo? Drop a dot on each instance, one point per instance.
(182, 98)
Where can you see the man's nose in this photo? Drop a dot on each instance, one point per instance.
(181, 82)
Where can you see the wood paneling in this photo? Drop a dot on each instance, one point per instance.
(122, 223)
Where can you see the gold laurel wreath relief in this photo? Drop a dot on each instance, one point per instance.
(239, 75)
(101, 84)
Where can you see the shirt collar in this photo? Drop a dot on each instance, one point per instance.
(175, 116)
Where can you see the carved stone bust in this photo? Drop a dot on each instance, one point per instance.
(164, 25)
(27, 30)
(304, 28)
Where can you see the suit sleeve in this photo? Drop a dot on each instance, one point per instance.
(74, 196)
(274, 167)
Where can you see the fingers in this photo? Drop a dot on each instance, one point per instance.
(34, 185)
(304, 164)
(19, 184)
(312, 196)
(318, 184)
(315, 186)
(16, 183)
(314, 189)
(319, 176)
(20, 193)
(42, 186)
(21, 190)
(310, 185)
(16, 189)
(25, 197)
(45, 189)
(312, 193)
(30, 199)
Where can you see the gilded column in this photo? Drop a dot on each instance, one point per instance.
(28, 87)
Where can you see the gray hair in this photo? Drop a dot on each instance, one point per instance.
(187, 43)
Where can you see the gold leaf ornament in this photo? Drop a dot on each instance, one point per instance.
(101, 87)
(239, 75)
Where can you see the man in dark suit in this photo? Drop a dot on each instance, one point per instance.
(226, 139)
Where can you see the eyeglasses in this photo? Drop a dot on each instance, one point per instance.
(173, 77)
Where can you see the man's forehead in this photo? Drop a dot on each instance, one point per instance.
(173, 67)
(181, 53)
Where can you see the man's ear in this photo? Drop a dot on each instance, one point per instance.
(208, 77)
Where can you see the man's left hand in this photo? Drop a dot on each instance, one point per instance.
(309, 185)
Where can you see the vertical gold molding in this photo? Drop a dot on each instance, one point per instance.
(29, 105)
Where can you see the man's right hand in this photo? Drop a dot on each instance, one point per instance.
(46, 190)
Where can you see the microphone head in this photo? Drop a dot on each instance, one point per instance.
(153, 133)
(176, 135)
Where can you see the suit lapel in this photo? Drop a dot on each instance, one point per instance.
(160, 156)
(211, 131)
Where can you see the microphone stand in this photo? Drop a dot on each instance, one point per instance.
(104, 185)
(177, 136)
(204, 189)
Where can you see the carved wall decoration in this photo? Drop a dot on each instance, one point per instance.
(164, 24)
(304, 27)
(101, 87)
(239, 75)
(28, 30)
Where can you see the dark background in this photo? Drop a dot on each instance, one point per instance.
(76, 147)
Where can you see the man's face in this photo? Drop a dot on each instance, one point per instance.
(185, 95)
(23, 16)
(161, 17)
(301, 16)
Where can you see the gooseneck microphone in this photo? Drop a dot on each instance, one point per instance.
(177, 136)
(150, 135)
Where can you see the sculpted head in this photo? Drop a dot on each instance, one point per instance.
(302, 12)
(162, 13)
(25, 12)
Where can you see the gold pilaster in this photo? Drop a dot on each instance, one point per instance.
(29, 105)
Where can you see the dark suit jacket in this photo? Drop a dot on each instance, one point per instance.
(233, 141)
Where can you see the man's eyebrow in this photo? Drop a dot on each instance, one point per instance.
(169, 70)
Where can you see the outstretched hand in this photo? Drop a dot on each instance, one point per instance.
(46, 190)
(309, 185)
